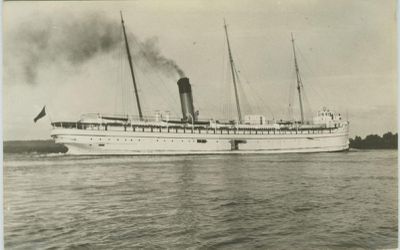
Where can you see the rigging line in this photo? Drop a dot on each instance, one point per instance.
(308, 106)
(228, 96)
(125, 88)
(222, 81)
(118, 78)
(304, 60)
(126, 94)
(130, 96)
(231, 98)
(166, 89)
(165, 100)
(225, 91)
(232, 103)
(260, 100)
(198, 95)
(148, 80)
(117, 87)
(245, 104)
(122, 82)
(128, 99)
(292, 87)
(242, 93)
(228, 104)
(125, 98)
(157, 74)
(225, 94)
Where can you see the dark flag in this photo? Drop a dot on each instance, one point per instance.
(41, 114)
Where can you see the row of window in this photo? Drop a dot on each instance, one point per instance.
(164, 140)
(220, 131)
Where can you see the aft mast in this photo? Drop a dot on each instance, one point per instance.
(233, 76)
(131, 68)
(299, 83)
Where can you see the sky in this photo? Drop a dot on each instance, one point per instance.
(70, 57)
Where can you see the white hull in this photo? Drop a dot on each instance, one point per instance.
(100, 142)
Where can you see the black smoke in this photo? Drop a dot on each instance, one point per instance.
(149, 51)
(75, 41)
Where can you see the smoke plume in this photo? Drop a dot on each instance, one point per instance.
(149, 50)
(75, 42)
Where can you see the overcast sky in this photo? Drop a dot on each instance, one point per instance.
(69, 57)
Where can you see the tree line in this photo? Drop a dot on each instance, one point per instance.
(387, 141)
(38, 146)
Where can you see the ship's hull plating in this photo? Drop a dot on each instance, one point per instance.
(99, 142)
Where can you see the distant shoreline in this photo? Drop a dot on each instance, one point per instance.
(33, 146)
(387, 141)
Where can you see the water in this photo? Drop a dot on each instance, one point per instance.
(287, 201)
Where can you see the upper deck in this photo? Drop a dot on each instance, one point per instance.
(159, 125)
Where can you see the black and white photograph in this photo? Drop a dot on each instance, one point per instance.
(200, 124)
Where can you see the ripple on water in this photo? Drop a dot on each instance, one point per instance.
(294, 201)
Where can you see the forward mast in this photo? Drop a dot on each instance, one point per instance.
(299, 82)
(131, 68)
(233, 76)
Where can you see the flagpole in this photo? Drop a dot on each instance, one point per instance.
(48, 114)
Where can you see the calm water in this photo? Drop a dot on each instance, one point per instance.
(288, 201)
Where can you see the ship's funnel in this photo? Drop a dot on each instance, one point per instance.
(185, 93)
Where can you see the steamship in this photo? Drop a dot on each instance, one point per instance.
(128, 135)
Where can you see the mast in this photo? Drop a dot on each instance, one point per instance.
(233, 75)
(131, 67)
(299, 83)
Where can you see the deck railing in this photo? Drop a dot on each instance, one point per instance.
(189, 128)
